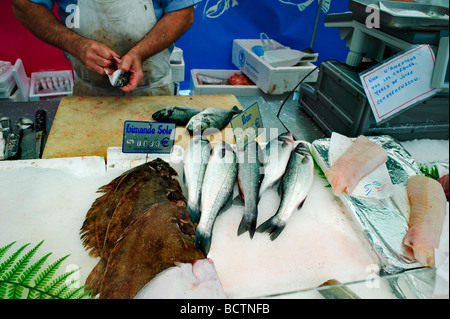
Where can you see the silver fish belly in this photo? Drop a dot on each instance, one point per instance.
(276, 158)
(196, 159)
(217, 189)
(211, 118)
(249, 179)
(294, 186)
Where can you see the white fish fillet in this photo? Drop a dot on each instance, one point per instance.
(185, 281)
(361, 158)
(428, 208)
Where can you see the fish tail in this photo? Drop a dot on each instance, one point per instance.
(203, 242)
(248, 223)
(194, 213)
(271, 226)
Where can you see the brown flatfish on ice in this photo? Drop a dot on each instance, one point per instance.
(127, 197)
(93, 231)
(152, 243)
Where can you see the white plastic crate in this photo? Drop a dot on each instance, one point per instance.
(238, 90)
(52, 86)
(269, 79)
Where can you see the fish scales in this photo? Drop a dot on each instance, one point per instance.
(93, 230)
(295, 186)
(276, 158)
(217, 190)
(158, 239)
(211, 119)
(129, 196)
(195, 162)
(179, 115)
(249, 179)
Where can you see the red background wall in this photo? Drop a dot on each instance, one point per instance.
(17, 42)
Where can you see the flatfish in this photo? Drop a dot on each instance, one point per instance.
(93, 231)
(155, 241)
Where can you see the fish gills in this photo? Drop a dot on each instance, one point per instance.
(428, 208)
(156, 240)
(361, 158)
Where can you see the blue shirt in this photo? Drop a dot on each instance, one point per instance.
(160, 6)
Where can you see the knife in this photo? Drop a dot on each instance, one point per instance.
(40, 124)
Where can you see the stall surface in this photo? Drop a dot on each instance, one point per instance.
(320, 242)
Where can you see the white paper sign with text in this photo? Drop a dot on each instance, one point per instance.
(399, 82)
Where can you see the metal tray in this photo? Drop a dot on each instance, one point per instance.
(437, 16)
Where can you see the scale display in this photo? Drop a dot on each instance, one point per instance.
(148, 137)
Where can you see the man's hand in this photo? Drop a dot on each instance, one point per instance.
(95, 55)
(132, 63)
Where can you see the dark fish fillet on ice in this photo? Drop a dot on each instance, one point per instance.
(153, 242)
(94, 228)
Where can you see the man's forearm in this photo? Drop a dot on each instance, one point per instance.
(43, 24)
(165, 33)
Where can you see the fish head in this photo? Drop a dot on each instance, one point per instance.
(163, 113)
(286, 138)
(204, 270)
(301, 147)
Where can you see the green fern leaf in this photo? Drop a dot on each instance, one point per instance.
(18, 280)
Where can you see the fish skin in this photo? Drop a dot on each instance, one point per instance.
(249, 178)
(426, 219)
(276, 158)
(95, 225)
(295, 186)
(196, 159)
(218, 185)
(179, 115)
(131, 194)
(211, 118)
(361, 158)
(160, 237)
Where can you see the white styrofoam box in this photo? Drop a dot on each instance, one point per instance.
(178, 71)
(238, 90)
(176, 55)
(269, 79)
(66, 74)
(6, 78)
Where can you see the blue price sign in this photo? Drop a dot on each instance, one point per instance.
(247, 126)
(148, 137)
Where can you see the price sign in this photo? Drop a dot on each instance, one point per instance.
(247, 126)
(399, 82)
(148, 137)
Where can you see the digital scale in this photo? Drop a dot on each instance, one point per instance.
(337, 101)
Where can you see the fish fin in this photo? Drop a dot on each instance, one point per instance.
(236, 109)
(194, 213)
(271, 226)
(94, 280)
(301, 204)
(248, 223)
(238, 201)
(203, 242)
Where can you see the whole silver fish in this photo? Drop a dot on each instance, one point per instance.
(276, 158)
(211, 118)
(249, 178)
(217, 190)
(179, 115)
(196, 159)
(294, 187)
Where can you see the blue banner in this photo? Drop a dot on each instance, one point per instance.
(208, 44)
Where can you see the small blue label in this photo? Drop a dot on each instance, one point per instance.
(148, 137)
